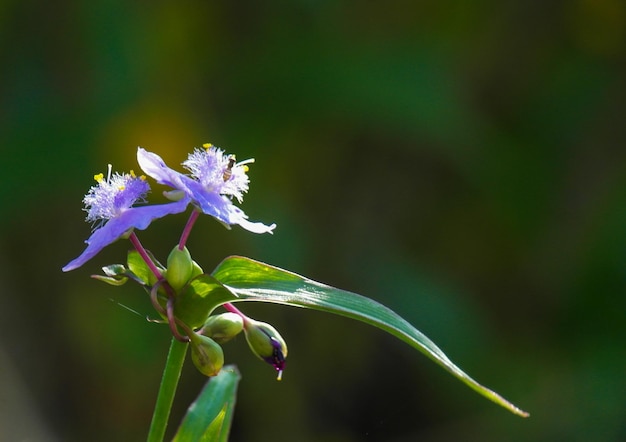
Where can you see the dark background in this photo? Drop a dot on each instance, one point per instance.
(461, 162)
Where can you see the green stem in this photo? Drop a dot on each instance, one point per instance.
(167, 390)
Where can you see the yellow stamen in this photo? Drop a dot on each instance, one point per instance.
(207, 145)
(99, 177)
(121, 188)
(132, 173)
(246, 168)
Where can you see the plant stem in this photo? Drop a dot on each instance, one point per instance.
(187, 230)
(231, 308)
(144, 255)
(167, 390)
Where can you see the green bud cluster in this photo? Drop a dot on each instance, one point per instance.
(263, 339)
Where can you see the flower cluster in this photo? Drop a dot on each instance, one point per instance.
(214, 181)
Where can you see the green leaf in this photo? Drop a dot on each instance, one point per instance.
(140, 270)
(114, 270)
(198, 299)
(255, 281)
(112, 280)
(117, 274)
(209, 418)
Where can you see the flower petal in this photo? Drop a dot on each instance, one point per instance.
(221, 208)
(135, 217)
(256, 227)
(237, 216)
(154, 166)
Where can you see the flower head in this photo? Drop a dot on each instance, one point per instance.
(110, 197)
(109, 205)
(215, 179)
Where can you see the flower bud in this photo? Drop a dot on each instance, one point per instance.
(223, 327)
(266, 343)
(196, 270)
(179, 268)
(206, 355)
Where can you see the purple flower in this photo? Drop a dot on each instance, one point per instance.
(108, 205)
(215, 180)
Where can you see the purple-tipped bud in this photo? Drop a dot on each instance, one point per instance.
(265, 342)
(206, 355)
(223, 327)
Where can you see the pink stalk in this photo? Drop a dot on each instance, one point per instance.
(187, 230)
(144, 255)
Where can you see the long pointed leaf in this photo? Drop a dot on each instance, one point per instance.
(255, 281)
(208, 419)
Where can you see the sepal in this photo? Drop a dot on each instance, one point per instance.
(196, 270)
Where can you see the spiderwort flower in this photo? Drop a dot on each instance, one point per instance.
(108, 205)
(215, 180)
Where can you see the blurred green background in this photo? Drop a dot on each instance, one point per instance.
(461, 162)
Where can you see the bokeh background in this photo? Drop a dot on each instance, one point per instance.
(461, 162)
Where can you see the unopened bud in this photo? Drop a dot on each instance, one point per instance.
(265, 342)
(206, 355)
(179, 268)
(223, 327)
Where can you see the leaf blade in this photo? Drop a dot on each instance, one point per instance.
(256, 281)
(209, 417)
